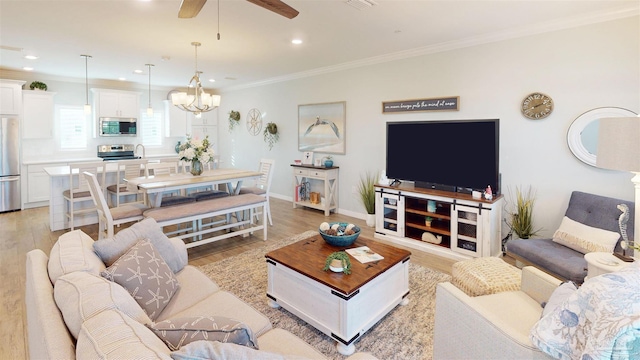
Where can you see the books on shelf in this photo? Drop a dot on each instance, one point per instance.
(364, 254)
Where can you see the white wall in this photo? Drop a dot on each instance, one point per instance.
(581, 69)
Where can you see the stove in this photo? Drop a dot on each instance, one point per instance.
(117, 152)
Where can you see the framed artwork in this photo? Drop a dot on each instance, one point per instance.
(321, 127)
(307, 158)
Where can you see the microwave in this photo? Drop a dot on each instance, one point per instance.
(118, 126)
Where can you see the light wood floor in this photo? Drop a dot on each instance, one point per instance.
(23, 231)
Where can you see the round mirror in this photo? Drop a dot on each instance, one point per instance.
(582, 136)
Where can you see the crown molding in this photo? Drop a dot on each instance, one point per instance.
(514, 33)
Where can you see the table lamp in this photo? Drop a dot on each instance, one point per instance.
(619, 149)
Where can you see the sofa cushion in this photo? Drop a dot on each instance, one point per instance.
(111, 249)
(222, 303)
(181, 331)
(283, 342)
(194, 287)
(113, 335)
(584, 238)
(81, 295)
(205, 350)
(145, 275)
(550, 256)
(73, 252)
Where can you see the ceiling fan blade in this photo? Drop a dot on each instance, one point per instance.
(190, 8)
(277, 7)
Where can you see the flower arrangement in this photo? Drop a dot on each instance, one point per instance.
(196, 150)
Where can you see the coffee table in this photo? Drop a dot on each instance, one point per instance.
(341, 306)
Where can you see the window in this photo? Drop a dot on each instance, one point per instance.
(151, 128)
(73, 127)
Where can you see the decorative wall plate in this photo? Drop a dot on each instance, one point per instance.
(254, 122)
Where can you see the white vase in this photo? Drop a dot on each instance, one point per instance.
(371, 220)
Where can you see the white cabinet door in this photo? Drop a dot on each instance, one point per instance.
(37, 114)
(200, 132)
(112, 103)
(10, 97)
(129, 104)
(175, 120)
(37, 183)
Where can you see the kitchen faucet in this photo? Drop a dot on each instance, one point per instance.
(143, 152)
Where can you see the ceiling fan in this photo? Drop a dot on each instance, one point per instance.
(191, 8)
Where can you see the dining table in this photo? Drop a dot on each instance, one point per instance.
(155, 186)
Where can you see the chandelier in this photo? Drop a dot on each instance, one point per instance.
(195, 100)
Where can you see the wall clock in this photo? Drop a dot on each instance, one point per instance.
(537, 106)
(254, 122)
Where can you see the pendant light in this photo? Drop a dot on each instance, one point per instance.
(195, 100)
(87, 106)
(149, 108)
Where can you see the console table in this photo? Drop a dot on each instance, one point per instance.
(315, 175)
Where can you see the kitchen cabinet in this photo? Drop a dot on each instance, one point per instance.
(38, 183)
(116, 103)
(11, 97)
(206, 125)
(37, 114)
(176, 120)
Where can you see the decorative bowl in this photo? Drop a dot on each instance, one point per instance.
(340, 240)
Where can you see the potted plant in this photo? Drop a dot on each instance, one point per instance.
(428, 220)
(520, 219)
(234, 119)
(328, 161)
(271, 135)
(37, 85)
(368, 196)
(337, 260)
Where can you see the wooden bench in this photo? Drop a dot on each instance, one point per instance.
(196, 211)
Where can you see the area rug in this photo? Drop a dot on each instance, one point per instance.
(405, 333)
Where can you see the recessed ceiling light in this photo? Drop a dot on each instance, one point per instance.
(27, 68)
(122, 78)
(212, 80)
(296, 41)
(30, 57)
(137, 71)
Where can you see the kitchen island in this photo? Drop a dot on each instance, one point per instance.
(58, 183)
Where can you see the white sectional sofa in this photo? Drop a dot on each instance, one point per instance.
(87, 316)
(495, 326)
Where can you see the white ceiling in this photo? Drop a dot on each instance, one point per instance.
(255, 45)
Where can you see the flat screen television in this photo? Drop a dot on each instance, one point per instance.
(452, 155)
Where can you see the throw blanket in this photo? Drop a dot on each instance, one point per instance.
(601, 320)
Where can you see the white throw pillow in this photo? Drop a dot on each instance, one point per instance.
(80, 296)
(73, 252)
(113, 335)
(583, 238)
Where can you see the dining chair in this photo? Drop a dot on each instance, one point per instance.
(77, 197)
(127, 169)
(108, 218)
(262, 186)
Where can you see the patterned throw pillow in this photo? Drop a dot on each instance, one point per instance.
(182, 331)
(145, 275)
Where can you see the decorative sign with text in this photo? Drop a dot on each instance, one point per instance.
(435, 104)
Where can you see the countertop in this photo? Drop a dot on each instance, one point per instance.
(75, 160)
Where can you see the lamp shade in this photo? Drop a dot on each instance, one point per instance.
(619, 144)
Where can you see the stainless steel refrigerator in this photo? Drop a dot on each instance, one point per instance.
(9, 163)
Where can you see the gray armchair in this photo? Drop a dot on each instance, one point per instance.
(560, 261)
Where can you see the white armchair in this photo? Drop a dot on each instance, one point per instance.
(492, 326)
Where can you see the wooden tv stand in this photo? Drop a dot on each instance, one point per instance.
(461, 227)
